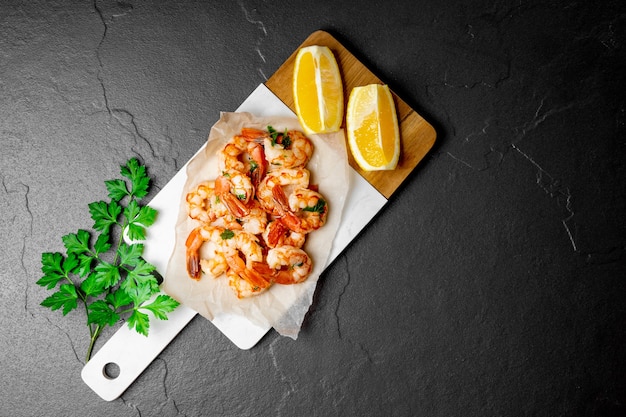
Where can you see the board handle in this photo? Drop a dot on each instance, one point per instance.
(127, 354)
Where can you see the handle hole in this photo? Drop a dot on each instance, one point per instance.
(111, 370)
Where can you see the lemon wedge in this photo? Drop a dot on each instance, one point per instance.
(318, 90)
(372, 128)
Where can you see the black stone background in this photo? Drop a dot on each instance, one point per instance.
(491, 285)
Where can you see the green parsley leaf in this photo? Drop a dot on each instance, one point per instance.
(118, 299)
(51, 262)
(139, 293)
(140, 322)
(77, 242)
(137, 175)
(140, 284)
(107, 274)
(69, 264)
(130, 254)
(104, 215)
(138, 219)
(91, 286)
(49, 281)
(66, 298)
(136, 232)
(142, 273)
(146, 217)
(52, 269)
(84, 267)
(117, 189)
(101, 313)
(161, 305)
(132, 210)
(102, 244)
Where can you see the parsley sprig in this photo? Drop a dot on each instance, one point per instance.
(102, 272)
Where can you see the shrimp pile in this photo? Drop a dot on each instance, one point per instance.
(255, 216)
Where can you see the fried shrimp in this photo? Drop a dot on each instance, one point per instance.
(203, 204)
(255, 216)
(311, 207)
(304, 211)
(244, 155)
(289, 149)
(216, 263)
(235, 189)
(277, 234)
(282, 178)
(243, 252)
(291, 265)
(241, 286)
(255, 222)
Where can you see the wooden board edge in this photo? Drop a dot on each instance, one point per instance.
(417, 135)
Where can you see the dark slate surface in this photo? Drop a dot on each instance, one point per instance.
(492, 285)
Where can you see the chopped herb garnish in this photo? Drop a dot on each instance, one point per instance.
(278, 138)
(318, 208)
(253, 166)
(227, 234)
(273, 135)
(286, 140)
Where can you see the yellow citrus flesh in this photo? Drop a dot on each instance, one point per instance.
(318, 90)
(372, 128)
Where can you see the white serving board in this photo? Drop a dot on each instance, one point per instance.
(131, 352)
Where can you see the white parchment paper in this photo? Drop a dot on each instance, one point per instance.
(282, 306)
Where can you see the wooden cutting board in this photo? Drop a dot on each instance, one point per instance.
(416, 135)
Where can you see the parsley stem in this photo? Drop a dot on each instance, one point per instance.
(119, 242)
(95, 333)
(128, 310)
(92, 342)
